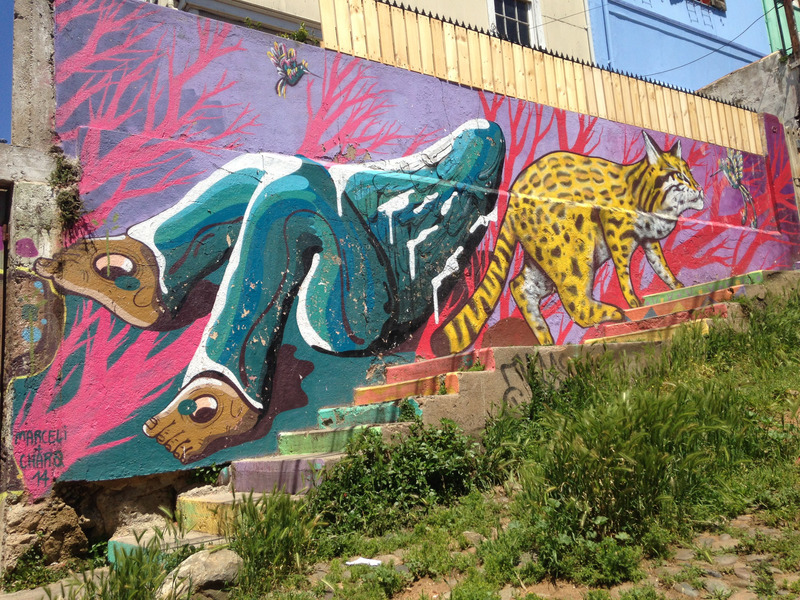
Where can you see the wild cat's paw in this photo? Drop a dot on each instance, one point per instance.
(204, 411)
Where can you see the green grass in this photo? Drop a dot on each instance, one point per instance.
(608, 463)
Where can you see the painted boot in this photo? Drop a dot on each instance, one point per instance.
(119, 273)
(206, 410)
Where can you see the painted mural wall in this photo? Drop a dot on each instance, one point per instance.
(270, 223)
(681, 42)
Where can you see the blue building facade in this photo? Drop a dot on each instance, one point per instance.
(686, 43)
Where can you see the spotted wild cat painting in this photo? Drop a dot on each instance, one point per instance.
(571, 213)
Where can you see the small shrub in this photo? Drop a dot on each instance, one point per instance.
(644, 592)
(377, 487)
(30, 571)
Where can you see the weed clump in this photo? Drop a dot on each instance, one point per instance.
(64, 181)
(379, 486)
(273, 536)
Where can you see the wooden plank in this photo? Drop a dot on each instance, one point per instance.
(725, 134)
(675, 97)
(652, 109)
(758, 127)
(450, 51)
(561, 83)
(474, 50)
(608, 91)
(715, 122)
(437, 41)
(509, 77)
(733, 127)
(694, 124)
(619, 100)
(644, 104)
(497, 66)
(399, 38)
(487, 77)
(343, 31)
(519, 72)
(385, 28)
(358, 27)
(599, 93)
(667, 94)
(704, 119)
(530, 73)
(580, 88)
(751, 121)
(372, 31)
(425, 44)
(685, 116)
(740, 115)
(412, 39)
(658, 103)
(541, 77)
(327, 13)
(591, 94)
(569, 86)
(632, 93)
(464, 77)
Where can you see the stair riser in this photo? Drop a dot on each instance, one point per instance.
(674, 306)
(609, 330)
(704, 288)
(426, 386)
(290, 476)
(350, 416)
(317, 442)
(440, 366)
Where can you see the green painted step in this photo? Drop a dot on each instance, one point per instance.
(350, 416)
(315, 441)
(125, 544)
(705, 288)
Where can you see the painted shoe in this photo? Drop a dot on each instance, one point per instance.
(119, 273)
(206, 410)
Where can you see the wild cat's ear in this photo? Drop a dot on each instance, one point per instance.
(653, 151)
(676, 150)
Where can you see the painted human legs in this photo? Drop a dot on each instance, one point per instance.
(362, 251)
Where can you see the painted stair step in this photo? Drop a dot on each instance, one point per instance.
(424, 386)
(440, 366)
(322, 441)
(126, 544)
(654, 335)
(705, 288)
(683, 304)
(290, 474)
(349, 416)
(607, 330)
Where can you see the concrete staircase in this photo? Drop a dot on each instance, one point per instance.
(465, 388)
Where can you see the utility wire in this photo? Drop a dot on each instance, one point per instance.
(726, 44)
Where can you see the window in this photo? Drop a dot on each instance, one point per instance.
(513, 19)
(719, 4)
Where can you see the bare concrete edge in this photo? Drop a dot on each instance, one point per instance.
(33, 92)
(19, 164)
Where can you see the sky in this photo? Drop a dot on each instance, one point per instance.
(6, 28)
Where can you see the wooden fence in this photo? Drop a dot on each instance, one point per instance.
(394, 36)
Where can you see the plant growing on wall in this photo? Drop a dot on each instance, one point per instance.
(64, 180)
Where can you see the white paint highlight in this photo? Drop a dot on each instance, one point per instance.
(310, 335)
(412, 246)
(449, 203)
(392, 206)
(484, 220)
(450, 268)
(425, 202)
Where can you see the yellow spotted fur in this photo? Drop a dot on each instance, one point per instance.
(570, 213)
